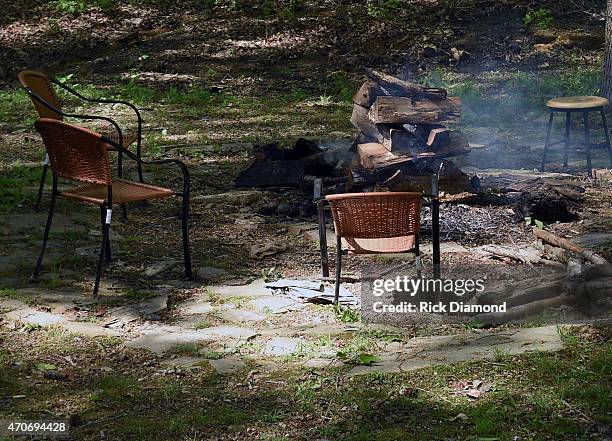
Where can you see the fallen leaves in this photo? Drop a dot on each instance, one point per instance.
(472, 389)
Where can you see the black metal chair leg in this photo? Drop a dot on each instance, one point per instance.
(568, 123)
(185, 231)
(338, 269)
(547, 142)
(47, 229)
(138, 152)
(607, 134)
(124, 211)
(107, 251)
(323, 240)
(587, 141)
(417, 257)
(41, 186)
(103, 249)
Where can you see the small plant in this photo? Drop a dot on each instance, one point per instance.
(271, 274)
(202, 324)
(567, 335)
(346, 315)
(500, 354)
(541, 18)
(324, 100)
(343, 87)
(384, 9)
(71, 6)
(530, 221)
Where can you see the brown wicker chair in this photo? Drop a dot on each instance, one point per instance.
(81, 155)
(372, 223)
(46, 102)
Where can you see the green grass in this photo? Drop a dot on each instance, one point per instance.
(513, 98)
(534, 396)
(18, 187)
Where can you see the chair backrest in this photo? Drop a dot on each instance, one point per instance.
(376, 215)
(74, 152)
(40, 84)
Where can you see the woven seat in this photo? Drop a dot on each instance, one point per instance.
(123, 191)
(576, 102)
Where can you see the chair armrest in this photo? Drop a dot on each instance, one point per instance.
(103, 101)
(70, 115)
(180, 164)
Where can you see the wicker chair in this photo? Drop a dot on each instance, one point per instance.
(46, 102)
(81, 155)
(372, 223)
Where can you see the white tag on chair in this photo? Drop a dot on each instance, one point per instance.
(109, 215)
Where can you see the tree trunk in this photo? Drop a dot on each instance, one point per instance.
(606, 88)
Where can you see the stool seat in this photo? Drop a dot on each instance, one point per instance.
(576, 102)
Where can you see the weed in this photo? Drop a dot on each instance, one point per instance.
(271, 274)
(324, 100)
(567, 335)
(384, 9)
(500, 355)
(541, 18)
(346, 314)
(343, 87)
(71, 6)
(202, 324)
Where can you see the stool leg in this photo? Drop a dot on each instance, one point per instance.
(605, 126)
(587, 141)
(550, 122)
(568, 123)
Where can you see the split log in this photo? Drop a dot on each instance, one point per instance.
(414, 175)
(373, 155)
(438, 138)
(570, 246)
(397, 87)
(401, 141)
(361, 121)
(523, 311)
(367, 94)
(526, 291)
(401, 110)
(529, 256)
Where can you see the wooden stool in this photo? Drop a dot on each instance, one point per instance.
(578, 104)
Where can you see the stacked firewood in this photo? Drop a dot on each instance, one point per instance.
(402, 128)
(399, 120)
(402, 140)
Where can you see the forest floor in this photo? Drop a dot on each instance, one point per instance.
(158, 357)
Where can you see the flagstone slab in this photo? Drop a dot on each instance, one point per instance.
(321, 363)
(254, 289)
(195, 307)
(30, 316)
(281, 346)
(275, 304)
(241, 315)
(143, 309)
(160, 342)
(423, 352)
(90, 329)
(228, 365)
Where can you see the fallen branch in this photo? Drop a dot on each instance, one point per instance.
(522, 311)
(570, 246)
